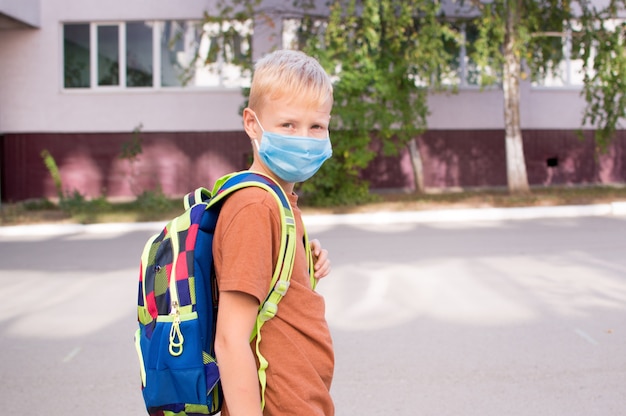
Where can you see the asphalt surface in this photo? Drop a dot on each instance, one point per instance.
(471, 312)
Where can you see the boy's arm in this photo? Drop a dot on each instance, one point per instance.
(238, 371)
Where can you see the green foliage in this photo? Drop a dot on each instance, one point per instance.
(602, 49)
(149, 204)
(72, 203)
(382, 55)
(38, 205)
(386, 54)
(53, 169)
(537, 35)
(133, 148)
(130, 152)
(487, 52)
(72, 199)
(82, 209)
(383, 59)
(541, 40)
(338, 181)
(153, 201)
(541, 30)
(225, 43)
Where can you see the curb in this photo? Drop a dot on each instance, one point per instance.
(52, 230)
(478, 214)
(381, 218)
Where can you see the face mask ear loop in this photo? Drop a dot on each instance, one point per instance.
(255, 141)
(257, 120)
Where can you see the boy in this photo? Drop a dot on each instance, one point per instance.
(287, 121)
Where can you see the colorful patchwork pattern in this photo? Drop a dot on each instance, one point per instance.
(177, 304)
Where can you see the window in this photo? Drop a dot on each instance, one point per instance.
(205, 55)
(108, 60)
(76, 60)
(468, 70)
(462, 69)
(164, 54)
(568, 72)
(297, 32)
(139, 54)
(179, 48)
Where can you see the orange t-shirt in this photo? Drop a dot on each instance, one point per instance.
(296, 342)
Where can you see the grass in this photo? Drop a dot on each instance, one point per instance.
(75, 209)
(489, 198)
(156, 207)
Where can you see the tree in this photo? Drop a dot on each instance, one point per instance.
(601, 46)
(509, 36)
(526, 38)
(383, 54)
(387, 54)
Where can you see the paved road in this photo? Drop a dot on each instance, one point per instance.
(523, 317)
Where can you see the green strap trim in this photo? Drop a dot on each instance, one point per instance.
(172, 231)
(142, 366)
(309, 256)
(176, 337)
(196, 197)
(282, 273)
(183, 317)
(142, 311)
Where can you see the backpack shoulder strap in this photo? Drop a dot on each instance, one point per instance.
(284, 265)
(286, 254)
(196, 197)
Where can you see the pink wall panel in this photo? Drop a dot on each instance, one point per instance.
(179, 162)
(91, 163)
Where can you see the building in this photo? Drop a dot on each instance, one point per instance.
(85, 79)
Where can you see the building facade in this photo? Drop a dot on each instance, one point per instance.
(87, 80)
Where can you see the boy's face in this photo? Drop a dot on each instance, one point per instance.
(292, 117)
(289, 117)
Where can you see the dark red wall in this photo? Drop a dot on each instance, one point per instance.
(180, 162)
(477, 158)
(91, 163)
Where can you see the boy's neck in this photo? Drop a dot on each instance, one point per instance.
(287, 186)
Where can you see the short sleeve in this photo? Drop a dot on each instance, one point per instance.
(246, 242)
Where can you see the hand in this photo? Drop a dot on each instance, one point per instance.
(321, 263)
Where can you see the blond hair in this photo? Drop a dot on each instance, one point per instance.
(289, 73)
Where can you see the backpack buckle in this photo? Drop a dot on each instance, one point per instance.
(281, 287)
(268, 311)
(176, 336)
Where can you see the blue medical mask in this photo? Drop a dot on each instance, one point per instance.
(292, 158)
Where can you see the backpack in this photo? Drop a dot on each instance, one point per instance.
(178, 301)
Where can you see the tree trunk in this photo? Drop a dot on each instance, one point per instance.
(416, 162)
(515, 164)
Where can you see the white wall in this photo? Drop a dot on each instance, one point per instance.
(27, 11)
(32, 100)
(540, 108)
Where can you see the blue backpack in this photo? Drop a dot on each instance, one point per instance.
(178, 301)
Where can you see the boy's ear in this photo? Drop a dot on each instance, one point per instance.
(250, 124)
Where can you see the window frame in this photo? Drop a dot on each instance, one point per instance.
(93, 55)
(571, 76)
(157, 27)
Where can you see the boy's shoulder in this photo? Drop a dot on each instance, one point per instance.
(252, 197)
(251, 207)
